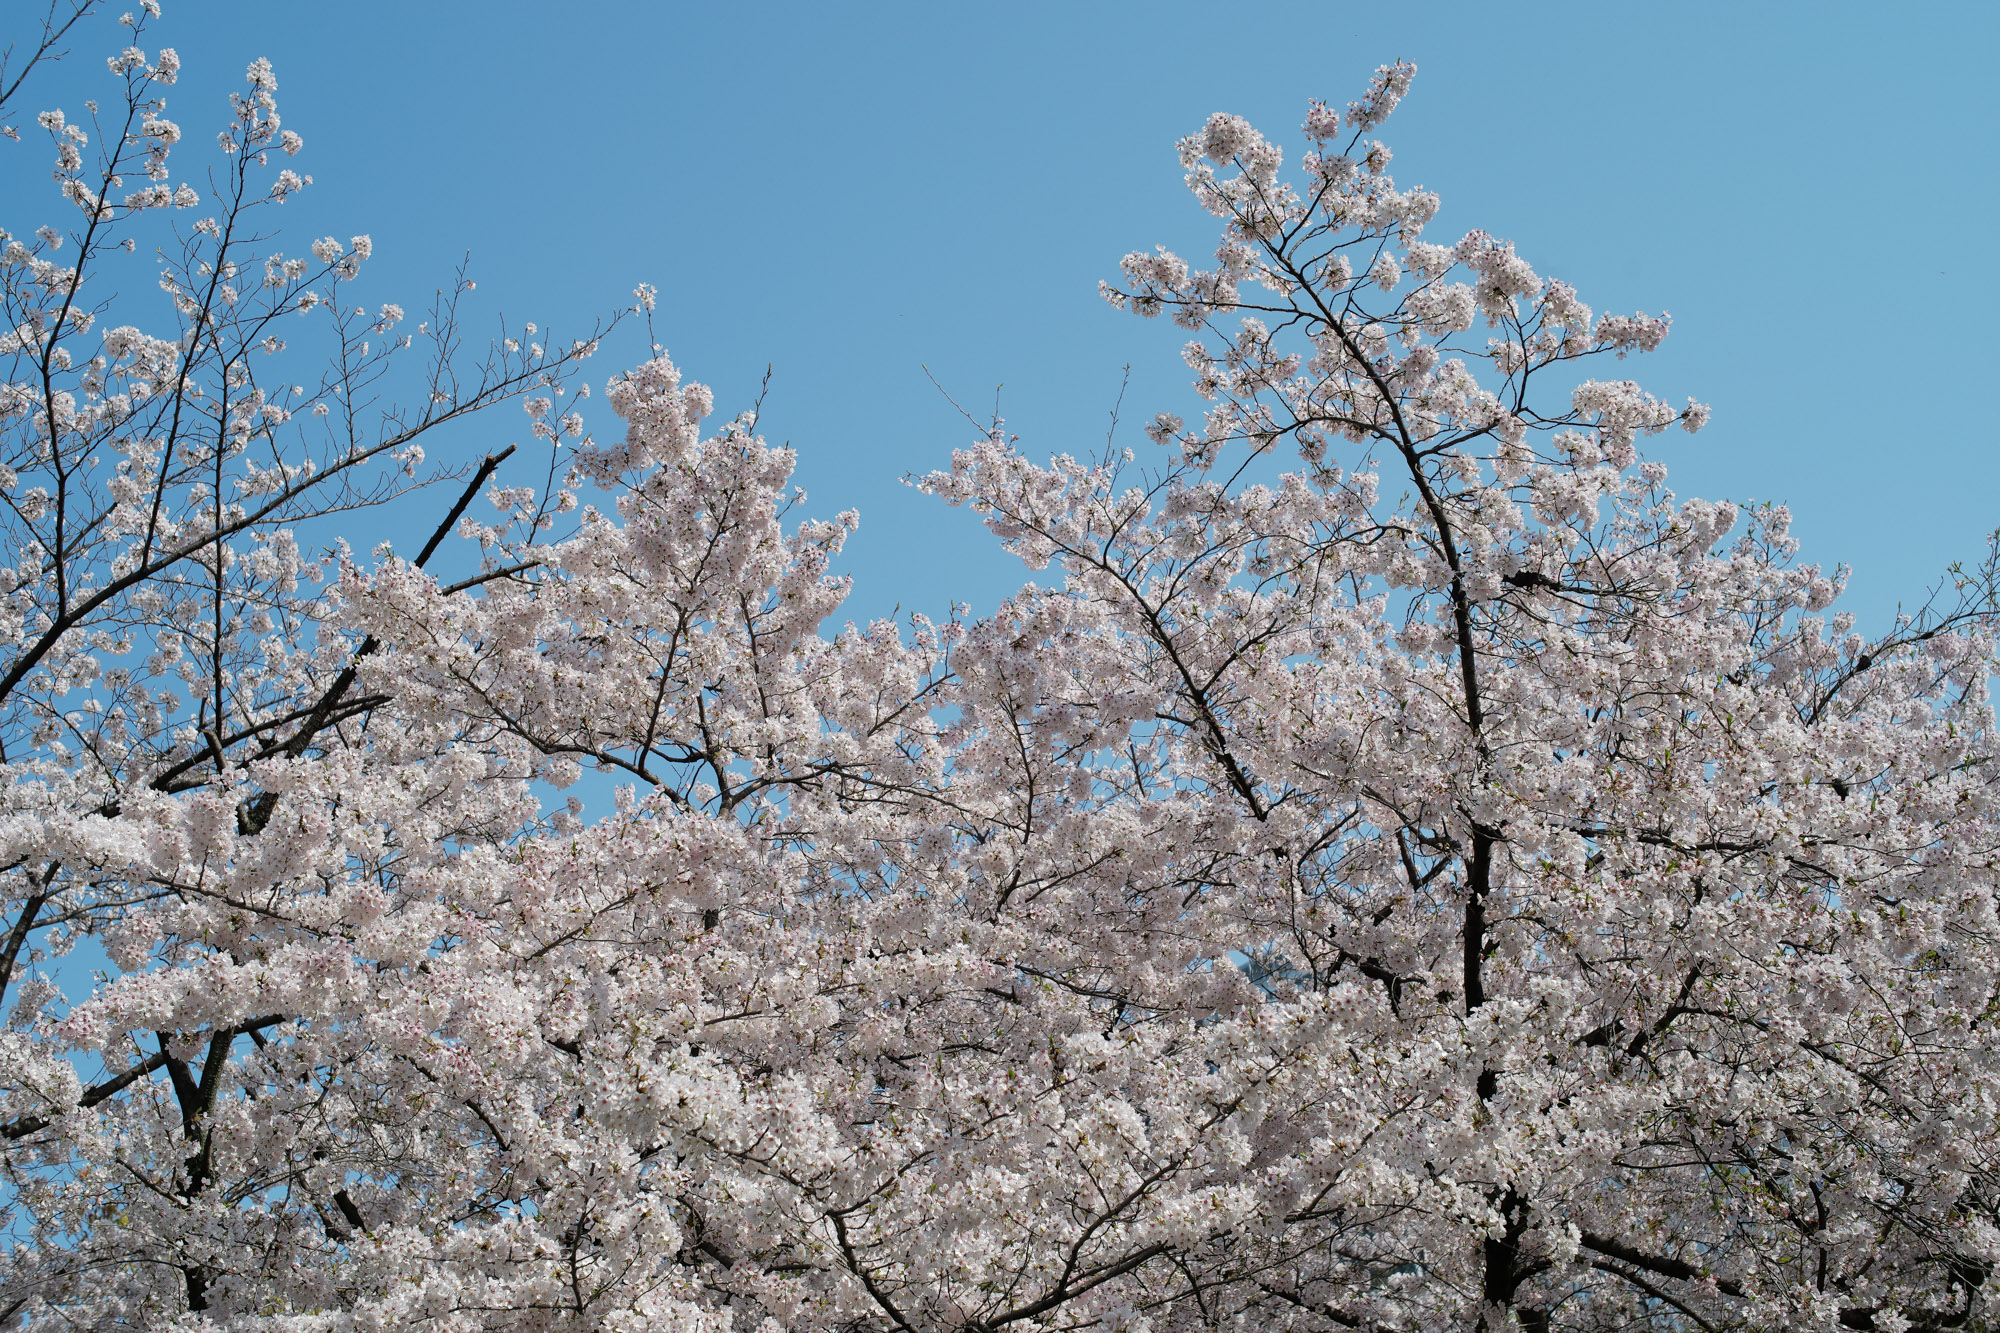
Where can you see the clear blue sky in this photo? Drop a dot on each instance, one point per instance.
(851, 192)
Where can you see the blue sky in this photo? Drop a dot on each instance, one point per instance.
(852, 193)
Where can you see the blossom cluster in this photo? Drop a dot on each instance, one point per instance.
(1407, 869)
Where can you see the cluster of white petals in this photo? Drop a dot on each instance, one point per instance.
(1407, 871)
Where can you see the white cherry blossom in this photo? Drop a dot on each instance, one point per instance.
(1399, 867)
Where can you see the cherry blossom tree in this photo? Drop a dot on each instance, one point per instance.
(1408, 870)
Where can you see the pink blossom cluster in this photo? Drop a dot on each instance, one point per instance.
(1403, 869)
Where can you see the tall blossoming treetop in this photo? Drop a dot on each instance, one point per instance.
(1405, 870)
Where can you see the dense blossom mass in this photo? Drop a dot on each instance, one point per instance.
(1401, 869)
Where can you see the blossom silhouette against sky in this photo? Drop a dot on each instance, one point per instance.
(853, 193)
